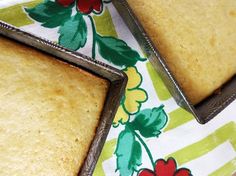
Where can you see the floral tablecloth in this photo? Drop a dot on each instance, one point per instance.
(151, 135)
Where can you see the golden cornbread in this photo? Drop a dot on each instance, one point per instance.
(49, 111)
(196, 38)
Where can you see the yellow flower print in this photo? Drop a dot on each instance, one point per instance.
(133, 99)
(121, 116)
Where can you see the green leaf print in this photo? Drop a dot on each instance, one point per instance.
(149, 122)
(49, 13)
(128, 152)
(136, 158)
(73, 33)
(117, 51)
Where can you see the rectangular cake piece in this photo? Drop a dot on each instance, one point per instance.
(49, 112)
(196, 38)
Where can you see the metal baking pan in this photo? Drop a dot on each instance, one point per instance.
(116, 78)
(203, 111)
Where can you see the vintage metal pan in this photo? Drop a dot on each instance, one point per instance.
(116, 78)
(204, 111)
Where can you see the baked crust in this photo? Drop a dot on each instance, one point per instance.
(196, 38)
(49, 112)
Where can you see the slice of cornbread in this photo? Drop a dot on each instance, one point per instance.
(49, 112)
(197, 39)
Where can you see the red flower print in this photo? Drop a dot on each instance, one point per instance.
(65, 3)
(165, 168)
(84, 6)
(88, 6)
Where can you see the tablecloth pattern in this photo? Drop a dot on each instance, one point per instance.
(151, 135)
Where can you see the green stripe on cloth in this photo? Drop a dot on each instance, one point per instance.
(160, 88)
(178, 117)
(228, 169)
(227, 132)
(109, 28)
(15, 15)
(107, 153)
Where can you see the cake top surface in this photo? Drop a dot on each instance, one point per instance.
(48, 118)
(196, 38)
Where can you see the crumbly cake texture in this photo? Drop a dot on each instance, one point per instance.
(49, 112)
(196, 38)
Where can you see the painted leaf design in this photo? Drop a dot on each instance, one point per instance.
(73, 33)
(136, 157)
(117, 51)
(149, 122)
(128, 152)
(49, 13)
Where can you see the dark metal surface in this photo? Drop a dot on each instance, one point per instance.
(116, 78)
(208, 108)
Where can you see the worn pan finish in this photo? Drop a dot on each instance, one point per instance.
(204, 111)
(116, 78)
